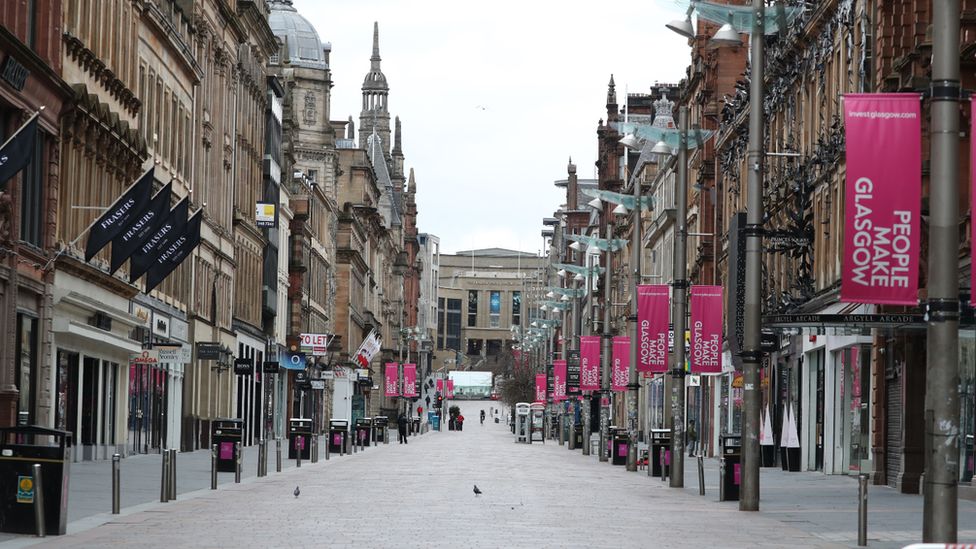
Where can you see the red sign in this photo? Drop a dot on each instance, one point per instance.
(620, 374)
(590, 363)
(392, 379)
(540, 387)
(450, 388)
(652, 328)
(559, 380)
(706, 329)
(882, 198)
(410, 380)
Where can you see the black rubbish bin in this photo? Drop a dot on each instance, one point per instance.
(20, 448)
(416, 425)
(729, 470)
(363, 427)
(970, 465)
(338, 436)
(660, 451)
(619, 445)
(299, 438)
(379, 428)
(225, 432)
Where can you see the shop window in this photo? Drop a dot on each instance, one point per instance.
(495, 309)
(472, 308)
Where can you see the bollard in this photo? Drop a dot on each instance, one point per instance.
(164, 478)
(116, 463)
(342, 444)
(328, 446)
(213, 467)
(262, 458)
(172, 474)
(701, 475)
(278, 457)
(862, 510)
(313, 451)
(39, 501)
(238, 462)
(299, 446)
(386, 435)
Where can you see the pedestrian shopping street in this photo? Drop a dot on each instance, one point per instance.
(421, 495)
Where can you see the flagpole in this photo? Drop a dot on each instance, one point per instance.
(22, 126)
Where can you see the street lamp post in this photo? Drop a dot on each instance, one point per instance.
(679, 306)
(632, 384)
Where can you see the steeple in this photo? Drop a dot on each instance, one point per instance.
(375, 111)
(397, 139)
(612, 113)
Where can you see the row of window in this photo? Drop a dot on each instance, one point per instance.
(494, 308)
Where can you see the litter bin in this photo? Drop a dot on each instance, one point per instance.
(619, 445)
(338, 436)
(17, 458)
(416, 425)
(660, 451)
(729, 470)
(299, 438)
(435, 422)
(363, 427)
(968, 468)
(225, 432)
(379, 428)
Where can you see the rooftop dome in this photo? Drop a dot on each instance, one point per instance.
(297, 34)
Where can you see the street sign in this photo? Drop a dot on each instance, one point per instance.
(208, 350)
(149, 356)
(173, 353)
(328, 374)
(244, 366)
(318, 343)
(265, 214)
(293, 361)
(317, 384)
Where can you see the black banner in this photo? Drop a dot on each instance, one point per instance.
(169, 230)
(171, 256)
(244, 366)
(17, 151)
(142, 227)
(120, 215)
(207, 350)
(271, 367)
(573, 372)
(736, 297)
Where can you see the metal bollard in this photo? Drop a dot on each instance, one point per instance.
(278, 457)
(299, 446)
(313, 450)
(213, 467)
(701, 475)
(39, 501)
(386, 435)
(862, 510)
(355, 443)
(328, 446)
(238, 462)
(262, 458)
(172, 474)
(342, 444)
(164, 478)
(116, 464)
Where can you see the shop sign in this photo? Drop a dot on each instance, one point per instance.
(175, 354)
(208, 350)
(147, 357)
(244, 366)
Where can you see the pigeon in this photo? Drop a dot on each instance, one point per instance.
(297, 491)
(477, 492)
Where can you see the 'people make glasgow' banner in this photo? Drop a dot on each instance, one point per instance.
(559, 380)
(120, 215)
(409, 380)
(392, 379)
(540, 387)
(706, 329)
(620, 374)
(882, 198)
(652, 328)
(589, 363)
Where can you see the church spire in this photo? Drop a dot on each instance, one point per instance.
(374, 61)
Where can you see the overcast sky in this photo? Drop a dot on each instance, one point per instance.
(495, 97)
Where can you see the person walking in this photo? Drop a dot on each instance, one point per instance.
(482, 417)
(460, 422)
(692, 436)
(402, 428)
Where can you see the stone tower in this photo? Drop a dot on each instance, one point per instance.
(375, 112)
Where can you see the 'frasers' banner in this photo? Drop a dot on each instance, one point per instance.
(620, 373)
(540, 387)
(589, 363)
(410, 380)
(392, 379)
(559, 380)
(884, 192)
(450, 388)
(706, 329)
(652, 328)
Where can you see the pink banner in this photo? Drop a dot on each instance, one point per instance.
(883, 197)
(589, 363)
(620, 375)
(440, 386)
(706, 329)
(652, 327)
(559, 380)
(540, 387)
(392, 379)
(450, 388)
(410, 380)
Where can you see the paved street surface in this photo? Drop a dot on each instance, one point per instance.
(421, 495)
